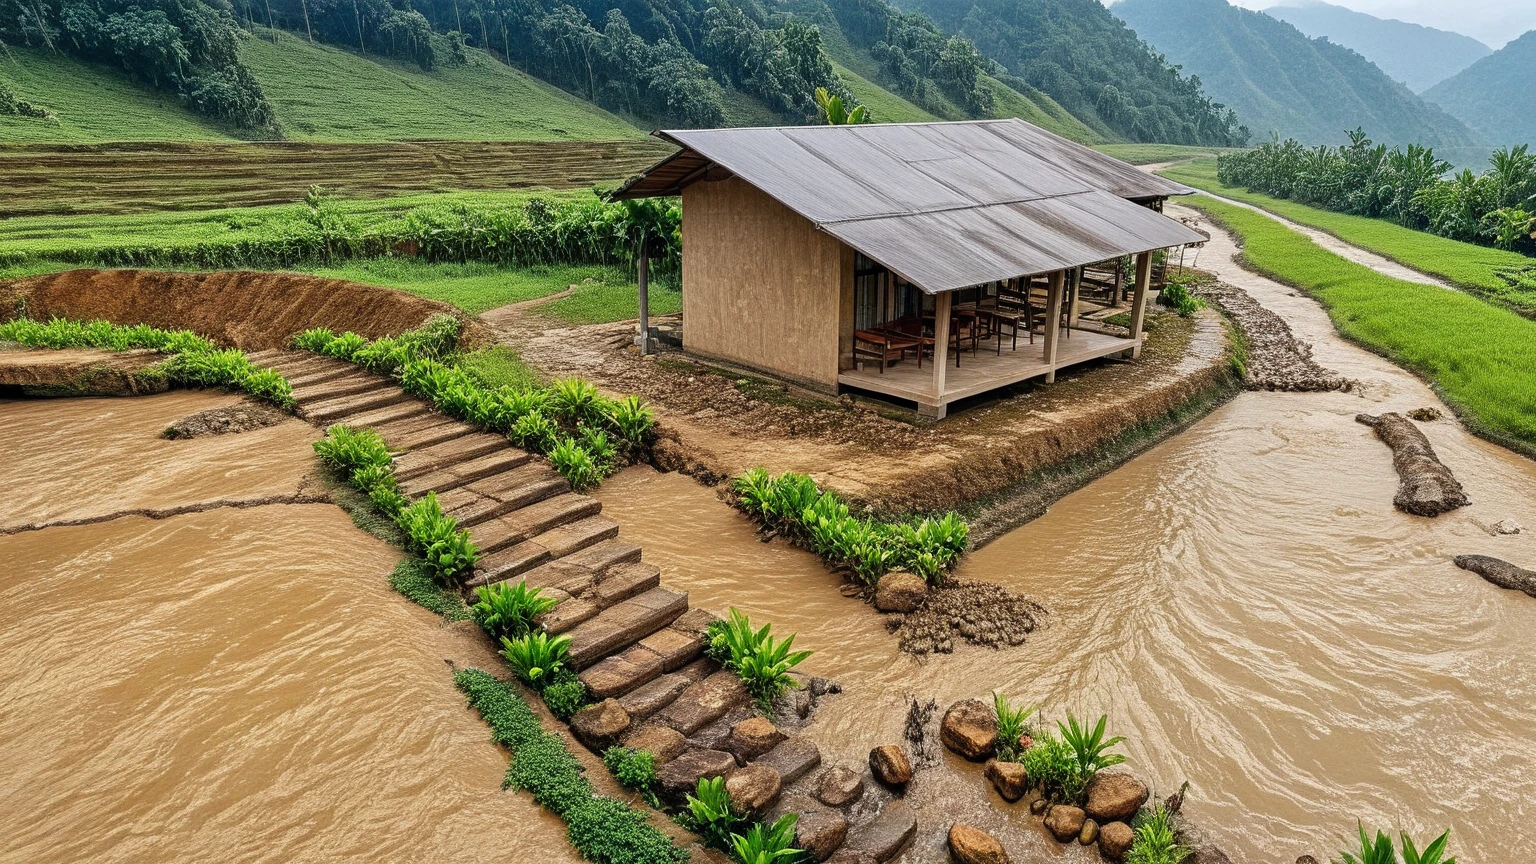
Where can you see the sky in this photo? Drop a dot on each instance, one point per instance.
(1492, 22)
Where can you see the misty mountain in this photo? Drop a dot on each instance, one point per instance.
(1496, 96)
(1411, 53)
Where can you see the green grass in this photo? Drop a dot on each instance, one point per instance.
(1147, 154)
(1508, 277)
(886, 106)
(473, 287)
(500, 366)
(319, 93)
(1478, 356)
(1039, 109)
(613, 298)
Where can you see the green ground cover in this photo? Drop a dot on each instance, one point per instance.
(886, 106)
(1508, 277)
(616, 298)
(1147, 154)
(92, 104)
(1478, 356)
(473, 286)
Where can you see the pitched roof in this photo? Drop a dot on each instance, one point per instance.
(946, 205)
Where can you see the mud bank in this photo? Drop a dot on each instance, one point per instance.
(248, 310)
(717, 423)
(81, 372)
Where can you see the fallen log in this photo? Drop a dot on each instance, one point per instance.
(1425, 486)
(1499, 572)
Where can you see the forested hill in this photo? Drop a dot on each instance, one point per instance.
(1496, 96)
(1281, 81)
(1416, 55)
(1090, 63)
(648, 62)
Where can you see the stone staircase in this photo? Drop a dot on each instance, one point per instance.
(635, 643)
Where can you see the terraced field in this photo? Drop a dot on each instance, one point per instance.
(148, 177)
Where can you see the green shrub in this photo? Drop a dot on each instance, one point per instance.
(633, 421)
(343, 347)
(505, 609)
(565, 695)
(412, 580)
(1157, 843)
(534, 432)
(576, 402)
(314, 339)
(575, 464)
(1052, 764)
(601, 448)
(761, 661)
(349, 450)
(710, 815)
(545, 768)
(388, 500)
(1379, 850)
(1177, 297)
(634, 769)
(765, 844)
(512, 722)
(1089, 746)
(1010, 726)
(372, 477)
(447, 549)
(1434, 853)
(609, 831)
(536, 657)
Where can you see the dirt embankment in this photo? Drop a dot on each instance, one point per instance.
(718, 422)
(1426, 487)
(247, 310)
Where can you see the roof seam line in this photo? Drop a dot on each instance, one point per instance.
(1029, 200)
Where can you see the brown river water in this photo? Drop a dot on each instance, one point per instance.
(231, 685)
(1243, 601)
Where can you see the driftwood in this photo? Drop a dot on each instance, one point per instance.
(1425, 486)
(1500, 573)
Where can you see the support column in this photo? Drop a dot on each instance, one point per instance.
(1058, 283)
(941, 308)
(1139, 301)
(1074, 294)
(1119, 295)
(643, 337)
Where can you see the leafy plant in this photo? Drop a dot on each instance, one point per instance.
(765, 844)
(507, 609)
(1378, 850)
(600, 447)
(1090, 747)
(576, 401)
(565, 695)
(761, 661)
(314, 339)
(371, 477)
(1010, 726)
(448, 550)
(536, 657)
(632, 420)
(1156, 842)
(1434, 853)
(534, 432)
(710, 815)
(635, 770)
(753, 491)
(833, 111)
(575, 464)
(344, 347)
(351, 450)
(1178, 297)
(1051, 763)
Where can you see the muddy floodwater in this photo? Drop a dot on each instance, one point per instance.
(228, 685)
(1243, 601)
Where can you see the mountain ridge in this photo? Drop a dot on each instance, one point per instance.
(1495, 96)
(1414, 54)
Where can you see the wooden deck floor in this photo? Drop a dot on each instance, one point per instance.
(987, 370)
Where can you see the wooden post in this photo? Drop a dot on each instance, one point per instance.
(1075, 295)
(1119, 295)
(941, 308)
(1139, 301)
(643, 338)
(1058, 282)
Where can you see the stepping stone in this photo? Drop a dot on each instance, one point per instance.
(334, 409)
(884, 836)
(621, 673)
(646, 700)
(624, 624)
(696, 622)
(704, 702)
(575, 536)
(699, 669)
(508, 563)
(571, 613)
(334, 388)
(675, 647)
(437, 456)
(624, 581)
(389, 413)
(662, 742)
(681, 775)
(793, 758)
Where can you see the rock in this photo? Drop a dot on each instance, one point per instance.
(1500, 573)
(1504, 527)
(793, 758)
(1038, 806)
(969, 845)
(752, 789)
(1089, 833)
(839, 786)
(663, 742)
(884, 836)
(969, 728)
(890, 765)
(1115, 840)
(1065, 822)
(900, 592)
(752, 738)
(820, 833)
(704, 702)
(1426, 415)
(1306, 859)
(1425, 486)
(681, 775)
(1009, 778)
(599, 726)
(1115, 796)
(1207, 854)
(852, 856)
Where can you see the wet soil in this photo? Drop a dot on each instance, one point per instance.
(80, 372)
(1426, 487)
(1276, 359)
(248, 310)
(244, 417)
(717, 422)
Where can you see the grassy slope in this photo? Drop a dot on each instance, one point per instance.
(1477, 355)
(1041, 110)
(1147, 154)
(1473, 267)
(886, 106)
(319, 93)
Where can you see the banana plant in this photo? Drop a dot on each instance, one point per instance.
(835, 113)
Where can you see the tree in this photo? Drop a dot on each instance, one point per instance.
(835, 114)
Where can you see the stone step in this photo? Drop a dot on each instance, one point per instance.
(568, 615)
(403, 410)
(439, 456)
(664, 651)
(793, 758)
(509, 561)
(266, 356)
(624, 624)
(704, 702)
(535, 519)
(425, 434)
(458, 474)
(884, 836)
(330, 410)
(335, 388)
(300, 362)
(644, 700)
(523, 485)
(574, 536)
(625, 581)
(305, 379)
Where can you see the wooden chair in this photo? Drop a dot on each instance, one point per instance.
(1011, 310)
(1040, 298)
(910, 327)
(963, 329)
(883, 346)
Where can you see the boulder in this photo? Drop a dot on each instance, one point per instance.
(1115, 796)
(599, 726)
(1009, 778)
(681, 775)
(793, 758)
(1504, 526)
(704, 702)
(752, 738)
(820, 833)
(1089, 833)
(839, 786)
(1115, 840)
(884, 836)
(852, 856)
(1499, 572)
(663, 742)
(1065, 822)
(1207, 854)
(969, 728)
(890, 765)
(900, 592)
(969, 845)
(752, 789)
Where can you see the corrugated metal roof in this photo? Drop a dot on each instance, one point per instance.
(946, 205)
